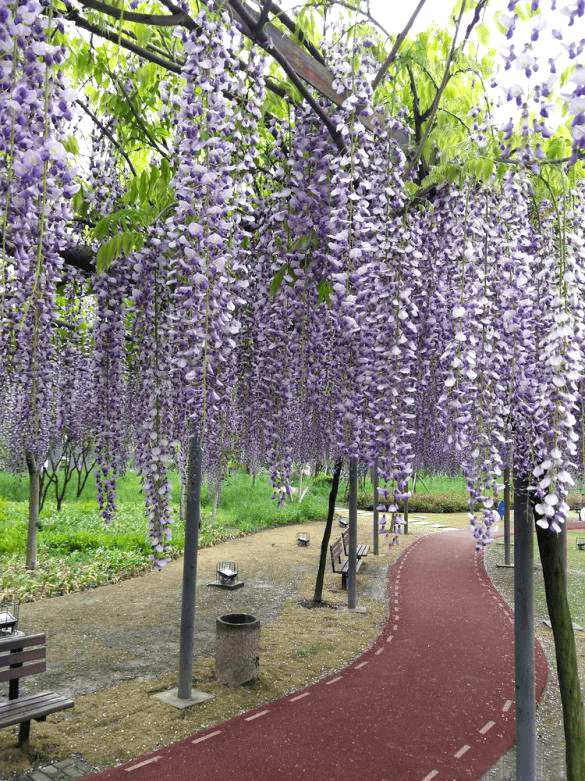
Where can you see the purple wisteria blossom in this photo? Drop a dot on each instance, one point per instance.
(36, 183)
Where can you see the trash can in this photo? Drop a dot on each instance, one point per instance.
(237, 648)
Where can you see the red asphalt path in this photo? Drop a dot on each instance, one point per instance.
(431, 699)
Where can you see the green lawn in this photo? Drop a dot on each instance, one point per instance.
(576, 567)
(76, 550)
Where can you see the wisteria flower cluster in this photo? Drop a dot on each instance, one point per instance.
(561, 26)
(305, 311)
(189, 280)
(36, 183)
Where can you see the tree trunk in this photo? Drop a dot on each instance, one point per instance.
(318, 596)
(550, 545)
(33, 510)
(352, 536)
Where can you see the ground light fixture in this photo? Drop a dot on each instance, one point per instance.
(226, 576)
(8, 617)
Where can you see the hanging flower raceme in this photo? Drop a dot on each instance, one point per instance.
(205, 272)
(188, 281)
(539, 85)
(111, 438)
(560, 353)
(151, 387)
(285, 322)
(111, 289)
(475, 400)
(36, 182)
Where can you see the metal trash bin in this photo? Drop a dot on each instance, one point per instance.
(237, 648)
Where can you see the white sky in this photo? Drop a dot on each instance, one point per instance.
(394, 15)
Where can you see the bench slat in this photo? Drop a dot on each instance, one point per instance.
(22, 641)
(335, 550)
(19, 657)
(362, 549)
(35, 706)
(20, 672)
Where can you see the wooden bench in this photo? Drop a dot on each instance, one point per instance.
(362, 549)
(581, 543)
(22, 655)
(340, 565)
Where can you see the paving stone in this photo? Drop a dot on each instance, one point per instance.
(75, 772)
(65, 763)
(64, 770)
(39, 775)
(51, 770)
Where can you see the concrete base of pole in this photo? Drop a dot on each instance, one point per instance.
(172, 698)
(361, 610)
(509, 566)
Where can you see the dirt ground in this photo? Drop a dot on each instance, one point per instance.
(113, 647)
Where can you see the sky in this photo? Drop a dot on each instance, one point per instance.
(394, 15)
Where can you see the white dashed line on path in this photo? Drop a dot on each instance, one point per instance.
(462, 751)
(487, 727)
(379, 651)
(430, 775)
(508, 704)
(206, 737)
(257, 715)
(361, 664)
(333, 680)
(299, 697)
(389, 638)
(143, 764)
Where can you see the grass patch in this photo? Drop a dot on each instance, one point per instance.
(576, 581)
(77, 551)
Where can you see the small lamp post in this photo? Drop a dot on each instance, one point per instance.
(226, 575)
(8, 617)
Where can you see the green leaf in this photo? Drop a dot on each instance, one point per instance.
(483, 33)
(277, 281)
(104, 257)
(324, 291)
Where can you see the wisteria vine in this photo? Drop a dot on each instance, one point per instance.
(293, 302)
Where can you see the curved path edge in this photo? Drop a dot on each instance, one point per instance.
(432, 698)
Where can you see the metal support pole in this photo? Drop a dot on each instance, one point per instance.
(524, 634)
(376, 530)
(352, 537)
(192, 518)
